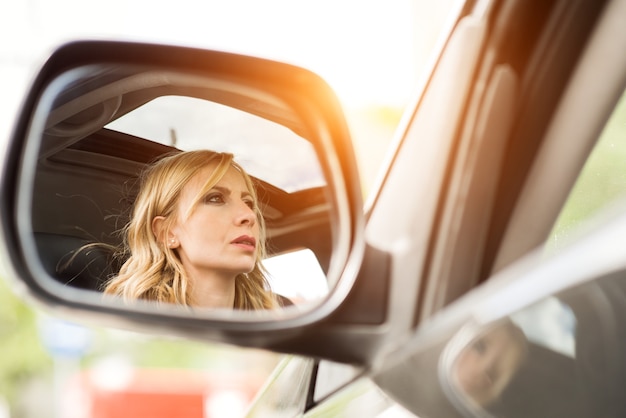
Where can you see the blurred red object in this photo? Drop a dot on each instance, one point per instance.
(161, 393)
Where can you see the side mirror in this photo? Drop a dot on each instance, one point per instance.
(100, 113)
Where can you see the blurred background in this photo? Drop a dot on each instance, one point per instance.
(374, 54)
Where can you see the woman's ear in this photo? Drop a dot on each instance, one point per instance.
(162, 234)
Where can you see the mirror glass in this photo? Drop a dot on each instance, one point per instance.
(96, 131)
(563, 356)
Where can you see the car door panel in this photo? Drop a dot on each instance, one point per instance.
(472, 206)
(456, 261)
(410, 194)
(592, 96)
(576, 125)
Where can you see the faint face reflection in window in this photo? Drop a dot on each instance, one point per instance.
(486, 366)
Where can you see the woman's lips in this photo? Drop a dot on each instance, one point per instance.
(245, 241)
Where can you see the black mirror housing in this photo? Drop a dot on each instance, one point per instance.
(284, 94)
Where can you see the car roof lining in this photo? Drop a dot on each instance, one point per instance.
(110, 101)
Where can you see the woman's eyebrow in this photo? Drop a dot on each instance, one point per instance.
(222, 189)
(228, 191)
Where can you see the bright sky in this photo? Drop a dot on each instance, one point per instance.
(349, 41)
(370, 51)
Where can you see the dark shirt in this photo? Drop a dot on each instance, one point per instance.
(283, 301)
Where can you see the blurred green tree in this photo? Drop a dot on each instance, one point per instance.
(21, 353)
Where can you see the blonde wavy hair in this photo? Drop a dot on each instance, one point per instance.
(153, 271)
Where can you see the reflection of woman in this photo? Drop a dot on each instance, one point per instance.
(487, 365)
(196, 236)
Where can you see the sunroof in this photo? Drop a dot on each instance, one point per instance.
(265, 149)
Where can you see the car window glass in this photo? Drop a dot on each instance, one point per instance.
(331, 376)
(309, 286)
(549, 323)
(505, 370)
(601, 182)
(572, 363)
(286, 390)
(361, 398)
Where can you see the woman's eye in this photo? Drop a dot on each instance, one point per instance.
(214, 198)
(480, 346)
(249, 203)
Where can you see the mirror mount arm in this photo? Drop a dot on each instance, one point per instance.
(353, 332)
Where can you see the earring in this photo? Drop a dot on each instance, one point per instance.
(172, 242)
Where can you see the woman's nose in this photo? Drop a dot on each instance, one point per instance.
(246, 215)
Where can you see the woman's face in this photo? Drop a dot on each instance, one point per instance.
(221, 234)
(484, 368)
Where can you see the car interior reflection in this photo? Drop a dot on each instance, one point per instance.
(486, 366)
(87, 177)
(579, 384)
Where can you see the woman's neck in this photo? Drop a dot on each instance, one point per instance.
(213, 291)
